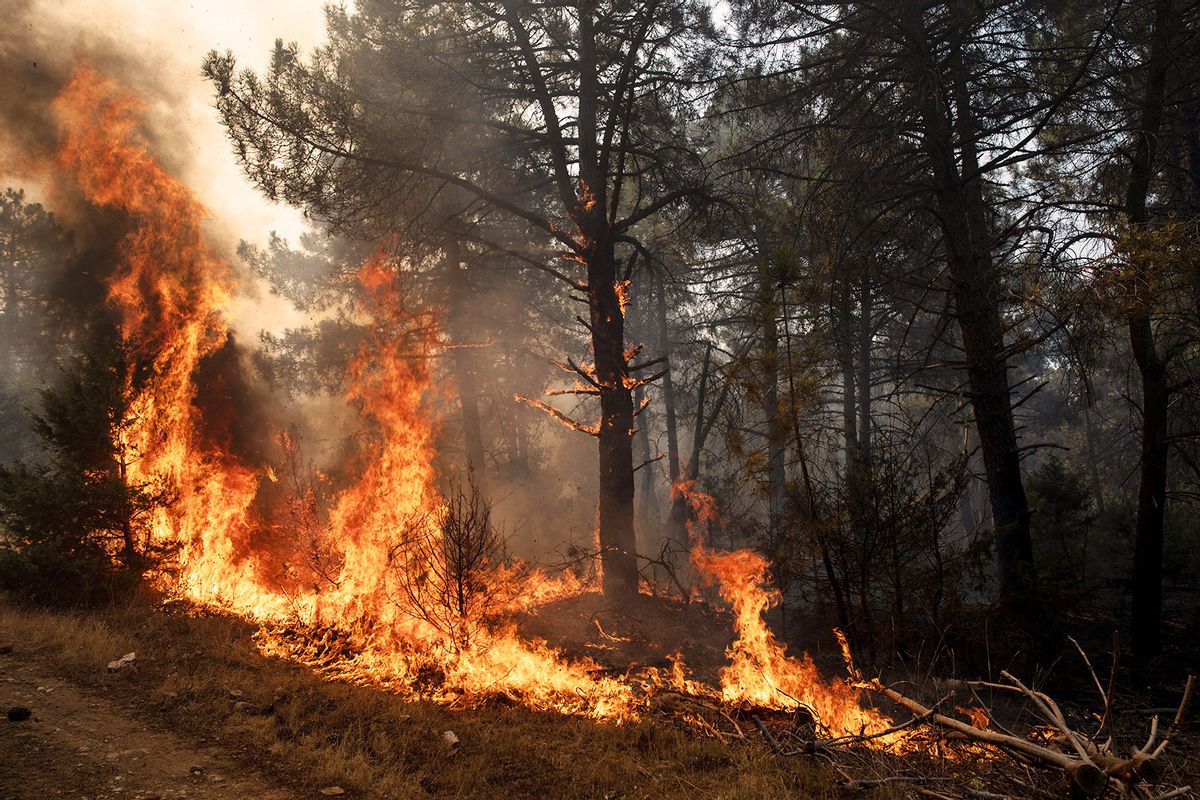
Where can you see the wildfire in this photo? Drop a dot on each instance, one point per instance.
(382, 534)
(760, 673)
(170, 292)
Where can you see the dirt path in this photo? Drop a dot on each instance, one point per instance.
(79, 744)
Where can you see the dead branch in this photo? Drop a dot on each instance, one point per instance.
(650, 461)
(1084, 776)
(758, 723)
(1105, 697)
(593, 430)
(1087, 765)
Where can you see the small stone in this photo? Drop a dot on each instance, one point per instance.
(19, 714)
(244, 707)
(450, 738)
(121, 663)
(332, 791)
(236, 693)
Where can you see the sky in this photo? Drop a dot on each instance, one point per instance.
(156, 48)
(165, 42)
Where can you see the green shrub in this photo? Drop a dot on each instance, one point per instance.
(73, 528)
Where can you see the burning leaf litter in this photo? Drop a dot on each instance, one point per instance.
(355, 620)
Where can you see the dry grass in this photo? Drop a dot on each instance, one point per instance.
(305, 731)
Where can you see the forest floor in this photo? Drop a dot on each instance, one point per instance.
(81, 743)
(200, 713)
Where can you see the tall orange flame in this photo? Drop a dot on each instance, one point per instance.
(760, 672)
(170, 293)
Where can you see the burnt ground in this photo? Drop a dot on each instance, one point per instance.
(648, 632)
(203, 714)
(82, 743)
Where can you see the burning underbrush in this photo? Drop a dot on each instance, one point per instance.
(388, 577)
(391, 578)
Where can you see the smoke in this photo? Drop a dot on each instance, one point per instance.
(155, 50)
(38, 53)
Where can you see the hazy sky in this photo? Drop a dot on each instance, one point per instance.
(165, 41)
(156, 48)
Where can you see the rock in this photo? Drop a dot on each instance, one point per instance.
(332, 791)
(236, 694)
(19, 714)
(245, 708)
(450, 738)
(124, 662)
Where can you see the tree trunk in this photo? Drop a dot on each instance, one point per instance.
(1089, 432)
(10, 319)
(776, 433)
(463, 364)
(1152, 487)
(865, 342)
(618, 545)
(678, 517)
(664, 343)
(648, 511)
(964, 220)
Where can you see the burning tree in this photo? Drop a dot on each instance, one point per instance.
(441, 119)
(78, 526)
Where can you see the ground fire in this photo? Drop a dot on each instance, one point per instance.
(856, 572)
(170, 293)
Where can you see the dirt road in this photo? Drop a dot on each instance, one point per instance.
(79, 744)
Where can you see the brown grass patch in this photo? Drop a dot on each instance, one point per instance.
(304, 731)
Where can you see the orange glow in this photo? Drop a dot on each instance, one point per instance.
(170, 293)
(759, 672)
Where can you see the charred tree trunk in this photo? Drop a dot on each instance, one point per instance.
(616, 525)
(963, 216)
(1152, 487)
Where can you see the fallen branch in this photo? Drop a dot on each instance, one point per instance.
(1088, 766)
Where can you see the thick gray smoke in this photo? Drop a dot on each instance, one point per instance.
(63, 309)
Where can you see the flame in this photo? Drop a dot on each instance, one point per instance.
(621, 288)
(759, 672)
(384, 530)
(169, 291)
